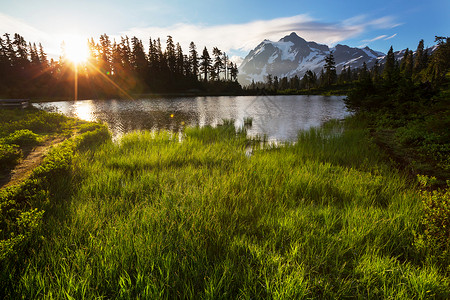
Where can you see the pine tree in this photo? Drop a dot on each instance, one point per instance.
(170, 54)
(269, 81)
(364, 73)
(275, 83)
(193, 59)
(138, 58)
(389, 66)
(330, 69)
(218, 63)
(205, 64)
(234, 72)
(418, 60)
(376, 71)
(439, 64)
(406, 66)
(225, 65)
(186, 66)
(34, 56)
(105, 54)
(180, 60)
(43, 57)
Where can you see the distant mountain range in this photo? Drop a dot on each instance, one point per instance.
(292, 56)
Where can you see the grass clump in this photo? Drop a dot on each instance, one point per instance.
(153, 217)
(22, 138)
(23, 207)
(9, 155)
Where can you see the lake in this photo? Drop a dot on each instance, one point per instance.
(278, 117)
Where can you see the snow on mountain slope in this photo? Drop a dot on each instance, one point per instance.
(292, 56)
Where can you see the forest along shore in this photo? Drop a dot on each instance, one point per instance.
(327, 216)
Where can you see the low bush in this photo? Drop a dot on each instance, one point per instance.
(22, 138)
(436, 222)
(9, 155)
(90, 127)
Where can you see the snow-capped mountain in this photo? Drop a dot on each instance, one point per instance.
(292, 56)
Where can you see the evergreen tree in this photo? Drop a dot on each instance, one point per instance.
(180, 60)
(186, 66)
(42, 57)
(406, 66)
(439, 64)
(205, 63)
(330, 69)
(364, 73)
(105, 50)
(225, 65)
(389, 66)
(284, 85)
(193, 59)
(269, 81)
(234, 72)
(170, 54)
(294, 83)
(275, 83)
(138, 58)
(322, 78)
(376, 71)
(218, 63)
(419, 61)
(309, 79)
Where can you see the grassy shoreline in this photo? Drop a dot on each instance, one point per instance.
(150, 217)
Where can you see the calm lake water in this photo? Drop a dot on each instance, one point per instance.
(278, 117)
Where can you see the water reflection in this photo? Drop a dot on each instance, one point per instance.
(277, 117)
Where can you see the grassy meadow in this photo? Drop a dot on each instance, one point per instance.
(213, 214)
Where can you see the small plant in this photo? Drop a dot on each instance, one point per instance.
(89, 127)
(9, 155)
(426, 181)
(227, 122)
(22, 138)
(436, 221)
(248, 121)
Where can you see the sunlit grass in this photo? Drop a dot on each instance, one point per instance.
(152, 217)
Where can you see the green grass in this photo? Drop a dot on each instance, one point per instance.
(22, 129)
(153, 217)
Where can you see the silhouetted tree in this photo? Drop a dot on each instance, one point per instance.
(205, 63)
(330, 69)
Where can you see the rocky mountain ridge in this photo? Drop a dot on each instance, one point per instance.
(292, 55)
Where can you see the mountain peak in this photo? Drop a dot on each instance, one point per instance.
(295, 39)
(292, 56)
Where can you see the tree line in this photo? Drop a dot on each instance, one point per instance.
(113, 68)
(414, 78)
(414, 65)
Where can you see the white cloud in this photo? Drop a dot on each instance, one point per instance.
(384, 23)
(375, 39)
(12, 25)
(231, 38)
(244, 37)
(390, 37)
(51, 41)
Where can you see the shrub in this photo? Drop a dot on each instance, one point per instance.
(436, 223)
(93, 137)
(9, 155)
(22, 138)
(90, 127)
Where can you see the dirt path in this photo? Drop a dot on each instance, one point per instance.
(30, 162)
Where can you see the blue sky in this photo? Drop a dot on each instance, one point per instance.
(234, 26)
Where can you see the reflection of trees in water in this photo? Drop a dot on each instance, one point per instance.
(279, 117)
(122, 122)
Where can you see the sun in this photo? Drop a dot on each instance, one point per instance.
(76, 49)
